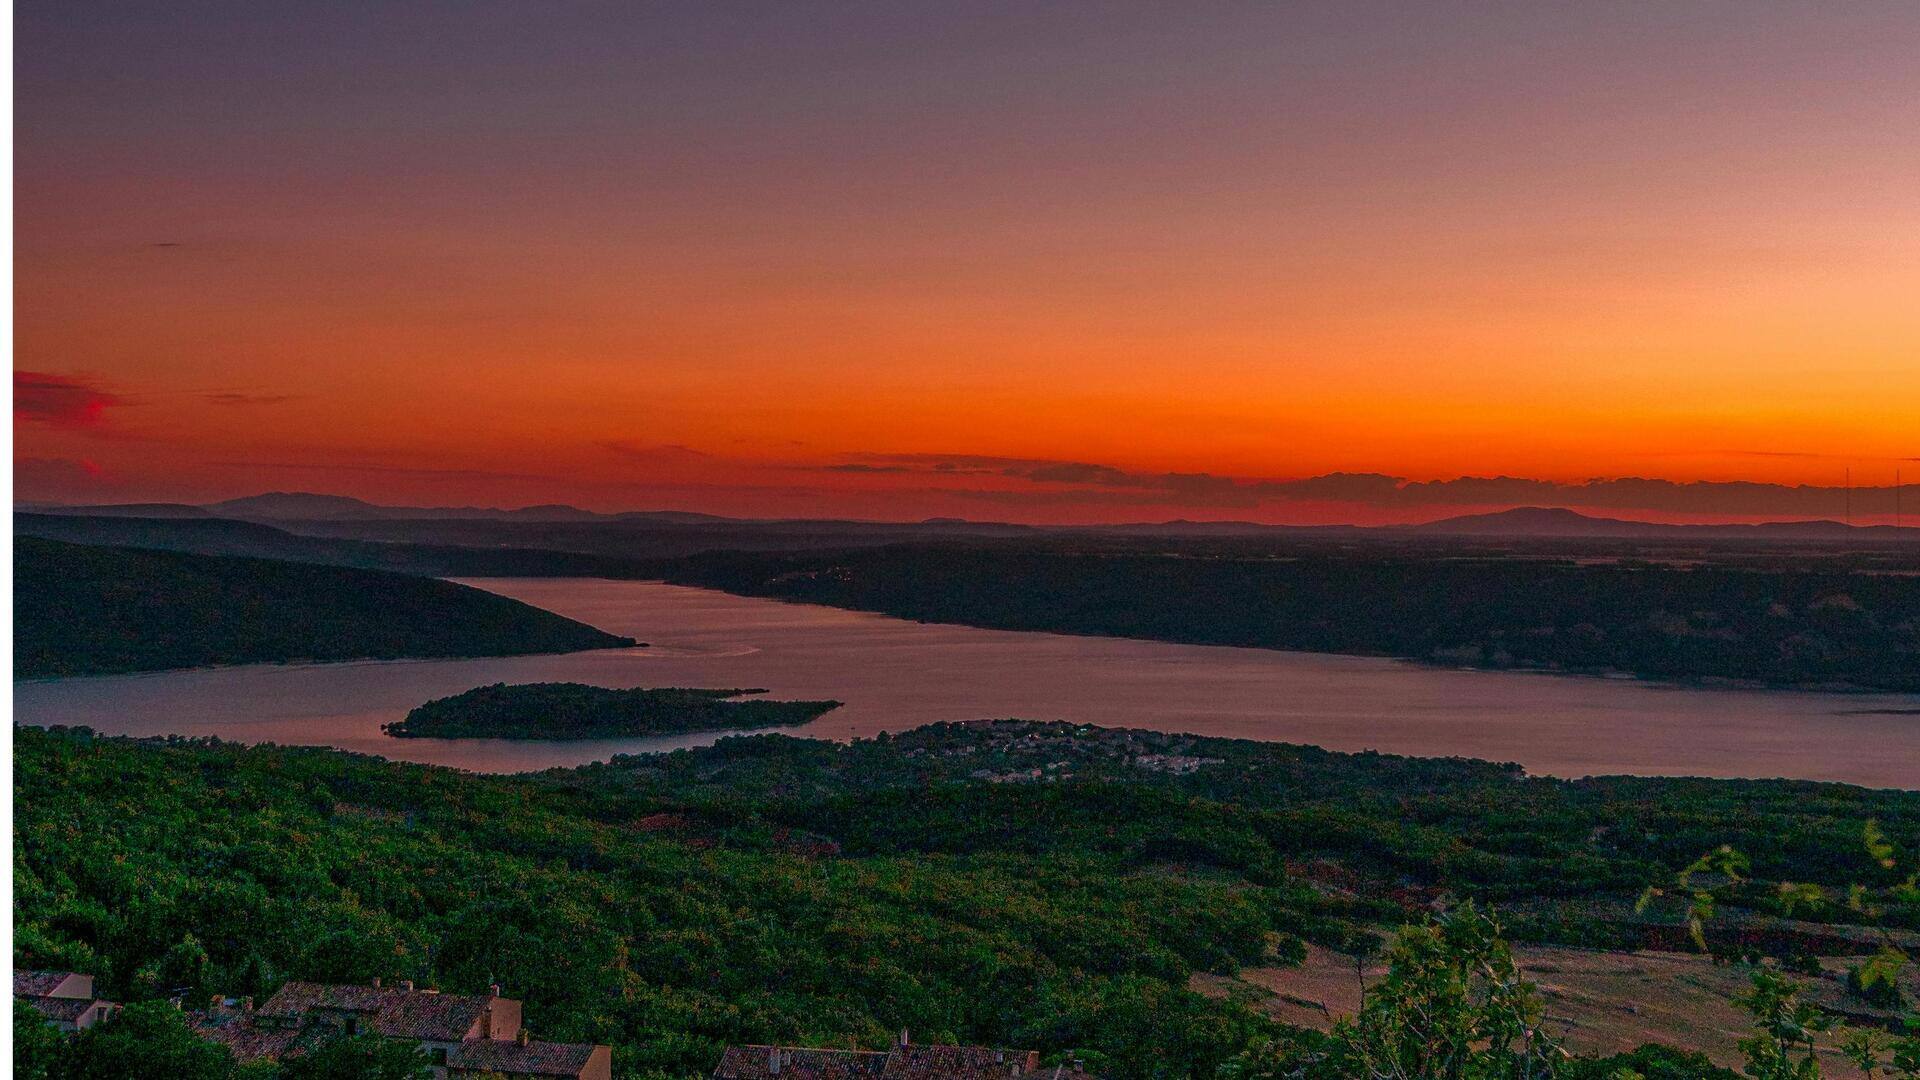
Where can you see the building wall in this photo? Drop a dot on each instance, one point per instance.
(503, 1019)
(437, 1053)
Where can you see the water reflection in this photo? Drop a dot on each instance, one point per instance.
(894, 675)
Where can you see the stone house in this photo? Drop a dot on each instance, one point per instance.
(463, 1035)
(64, 997)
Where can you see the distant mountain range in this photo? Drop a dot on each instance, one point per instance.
(305, 506)
(117, 510)
(1526, 521)
(1554, 521)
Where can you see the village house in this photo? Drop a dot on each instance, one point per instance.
(905, 1060)
(63, 997)
(463, 1035)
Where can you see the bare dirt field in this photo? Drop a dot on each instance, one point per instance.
(1597, 1002)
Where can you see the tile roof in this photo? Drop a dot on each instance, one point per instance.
(913, 1062)
(392, 1011)
(522, 1059)
(908, 1062)
(64, 1010)
(756, 1063)
(295, 999)
(421, 1015)
(38, 983)
(249, 1041)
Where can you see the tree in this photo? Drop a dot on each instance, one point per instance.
(1452, 1006)
(358, 1057)
(37, 1044)
(1784, 1043)
(1649, 1062)
(148, 1039)
(182, 970)
(1782, 1046)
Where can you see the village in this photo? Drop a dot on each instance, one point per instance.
(474, 1036)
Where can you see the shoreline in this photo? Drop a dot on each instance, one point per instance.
(1698, 682)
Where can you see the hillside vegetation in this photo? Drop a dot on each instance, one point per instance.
(579, 711)
(81, 610)
(1008, 883)
(1822, 628)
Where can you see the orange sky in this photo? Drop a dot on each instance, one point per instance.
(694, 259)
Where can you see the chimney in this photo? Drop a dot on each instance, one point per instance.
(493, 989)
(523, 1038)
(773, 1061)
(903, 1037)
(246, 1003)
(376, 982)
(406, 985)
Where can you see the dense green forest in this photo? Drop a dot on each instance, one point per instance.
(579, 711)
(82, 610)
(1010, 883)
(1775, 626)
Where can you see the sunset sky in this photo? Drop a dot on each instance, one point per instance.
(1027, 262)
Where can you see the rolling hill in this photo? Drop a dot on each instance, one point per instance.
(82, 610)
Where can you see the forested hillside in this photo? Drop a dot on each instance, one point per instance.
(1776, 626)
(579, 711)
(82, 610)
(1009, 883)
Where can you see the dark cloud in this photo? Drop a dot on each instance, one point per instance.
(952, 463)
(1201, 485)
(1036, 470)
(60, 400)
(1201, 488)
(1117, 486)
(1075, 472)
(1097, 484)
(1104, 497)
(1341, 486)
(251, 399)
(1461, 491)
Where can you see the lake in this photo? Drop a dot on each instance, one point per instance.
(895, 675)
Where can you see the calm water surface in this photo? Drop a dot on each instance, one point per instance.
(894, 675)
